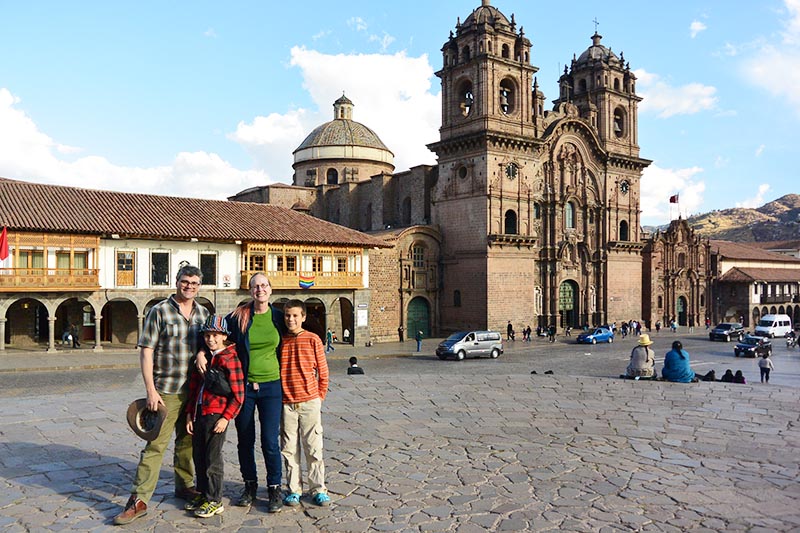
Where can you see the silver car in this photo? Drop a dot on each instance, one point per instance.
(471, 343)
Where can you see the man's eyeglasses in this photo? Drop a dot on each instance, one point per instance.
(185, 283)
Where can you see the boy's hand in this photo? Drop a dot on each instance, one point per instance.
(221, 425)
(189, 426)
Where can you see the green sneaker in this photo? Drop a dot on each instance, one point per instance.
(195, 503)
(209, 509)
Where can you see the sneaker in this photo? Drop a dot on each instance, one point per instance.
(195, 503)
(135, 508)
(321, 499)
(275, 502)
(292, 499)
(209, 509)
(248, 494)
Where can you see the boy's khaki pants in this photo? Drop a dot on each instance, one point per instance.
(302, 426)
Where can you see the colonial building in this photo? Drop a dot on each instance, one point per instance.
(531, 214)
(677, 277)
(753, 282)
(101, 259)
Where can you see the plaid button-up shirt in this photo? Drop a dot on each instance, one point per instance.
(174, 341)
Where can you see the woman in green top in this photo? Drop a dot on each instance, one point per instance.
(256, 328)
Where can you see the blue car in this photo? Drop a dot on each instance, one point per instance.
(593, 336)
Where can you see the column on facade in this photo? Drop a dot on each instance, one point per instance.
(3, 334)
(139, 326)
(97, 346)
(51, 334)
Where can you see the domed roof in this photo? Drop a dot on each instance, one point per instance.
(597, 52)
(487, 14)
(342, 130)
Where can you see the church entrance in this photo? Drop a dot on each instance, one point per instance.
(682, 311)
(418, 318)
(568, 304)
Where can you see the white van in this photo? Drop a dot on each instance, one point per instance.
(472, 343)
(774, 326)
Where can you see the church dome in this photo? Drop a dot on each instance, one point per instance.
(342, 130)
(597, 52)
(487, 14)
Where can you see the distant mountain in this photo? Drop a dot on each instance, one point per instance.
(778, 220)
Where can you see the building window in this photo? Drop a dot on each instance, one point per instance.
(257, 263)
(619, 123)
(159, 269)
(569, 216)
(341, 264)
(623, 231)
(466, 99)
(660, 302)
(504, 51)
(126, 275)
(456, 298)
(291, 263)
(537, 211)
(418, 256)
(208, 266)
(702, 300)
(332, 176)
(511, 222)
(506, 97)
(316, 264)
(681, 260)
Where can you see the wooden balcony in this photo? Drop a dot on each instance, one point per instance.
(322, 280)
(48, 279)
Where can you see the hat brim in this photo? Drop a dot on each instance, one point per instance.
(138, 414)
(645, 343)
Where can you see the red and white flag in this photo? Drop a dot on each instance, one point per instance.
(673, 199)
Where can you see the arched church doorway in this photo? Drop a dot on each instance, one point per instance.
(418, 317)
(682, 307)
(568, 304)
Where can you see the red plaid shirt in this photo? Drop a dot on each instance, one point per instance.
(228, 361)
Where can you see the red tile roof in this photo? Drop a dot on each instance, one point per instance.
(777, 245)
(28, 206)
(748, 275)
(739, 250)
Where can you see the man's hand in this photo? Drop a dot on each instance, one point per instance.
(201, 362)
(153, 400)
(221, 425)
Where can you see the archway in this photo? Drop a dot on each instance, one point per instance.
(77, 315)
(796, 318)
(27, 323)
(568, 304)
(120, 324)
(756, 315)
(315, 317)
(418, 317)
(346, 319)
(205, 302)
(681, 309)
(781, 311)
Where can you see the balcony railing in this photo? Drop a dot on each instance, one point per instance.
(49, 279)
(322, 280)
(779, 299)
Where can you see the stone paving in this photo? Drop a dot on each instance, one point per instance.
(412, 452)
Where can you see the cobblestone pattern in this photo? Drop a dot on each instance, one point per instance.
(449, 453)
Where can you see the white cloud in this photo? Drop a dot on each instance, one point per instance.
(385, 41)
(696, 27)
(665, 100)
(773, 65)
(659, 184)
(358, 23)
(321, 34)
(210, 33)
(760, 150)
(721, 161)
(758, 199)
(29, 154)
(394, 100)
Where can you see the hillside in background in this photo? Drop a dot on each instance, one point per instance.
(778, 220)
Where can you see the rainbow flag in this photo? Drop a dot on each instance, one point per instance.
(306, 282)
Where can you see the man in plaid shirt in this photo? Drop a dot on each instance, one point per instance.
(170, 337)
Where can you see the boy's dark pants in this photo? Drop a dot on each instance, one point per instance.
(207, 452)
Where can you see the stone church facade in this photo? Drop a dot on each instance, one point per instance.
(531, 215)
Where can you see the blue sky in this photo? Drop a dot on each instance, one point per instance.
(206, 98)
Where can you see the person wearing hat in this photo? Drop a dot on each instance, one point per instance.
(170, 337)
(212, 405)
(643, 360)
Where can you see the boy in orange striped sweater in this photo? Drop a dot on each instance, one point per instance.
(304, 379)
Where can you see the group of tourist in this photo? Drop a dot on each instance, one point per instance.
(269, 365)
(677, 367)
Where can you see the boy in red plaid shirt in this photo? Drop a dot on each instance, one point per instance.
(208, 413)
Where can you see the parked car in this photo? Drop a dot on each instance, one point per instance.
(596, 335)
(752, 346)
(471, 343)
(727, 331)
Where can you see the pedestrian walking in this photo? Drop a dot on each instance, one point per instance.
(765, 365)
(419, 340)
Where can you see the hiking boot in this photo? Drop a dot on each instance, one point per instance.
(275, 502)
(195, 503)
(248, 494)
(187, 493)
(209, 509)
(135, 508)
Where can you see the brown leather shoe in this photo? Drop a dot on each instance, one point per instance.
(135, 508)
(187, 493)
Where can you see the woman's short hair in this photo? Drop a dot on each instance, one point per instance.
(677, 345)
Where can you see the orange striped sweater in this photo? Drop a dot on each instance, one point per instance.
(304, 369)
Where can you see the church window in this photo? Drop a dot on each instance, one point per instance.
(569, 216)
(582, 86)
(418, 255)
(511, 222)
(506, 97)
(456, 298)
(332, 176)
(537, 211)
(660, 302)
(505, 51)
(619, 123)
(591, 217)
(466, 98)
(681, 260)
(616, 84)
(702, 300)
(462, 172)
(465, 53)
(623, 231)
